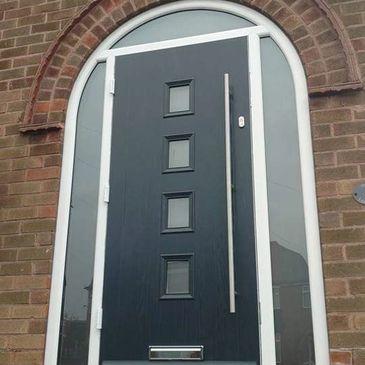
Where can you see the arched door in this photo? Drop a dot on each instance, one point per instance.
(173, 147)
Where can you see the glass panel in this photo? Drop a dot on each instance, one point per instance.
(178, 212)
(276, 297)
(183, 24)
(75, 317)
(278, 348)
(286, 212)
(179, 98)
(177, 277)
(306, 297)
(179, 155)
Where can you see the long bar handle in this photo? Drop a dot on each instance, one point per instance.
(227, 117)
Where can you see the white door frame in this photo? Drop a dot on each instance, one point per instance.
(263, 261)
(306, 158)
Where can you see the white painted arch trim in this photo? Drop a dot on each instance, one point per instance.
(306, 157)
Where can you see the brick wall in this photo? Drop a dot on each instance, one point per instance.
(29, 180)
(338, 127)
(30, 162)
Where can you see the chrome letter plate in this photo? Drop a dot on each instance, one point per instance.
(175, 353)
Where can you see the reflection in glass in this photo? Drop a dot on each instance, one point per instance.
(75, 317)
(276, 296)
(176, 353)
(293, 322)
(278, 348)
(182, 24)
(177, 277)
(306, 296)
(179, 155)
(178, 211)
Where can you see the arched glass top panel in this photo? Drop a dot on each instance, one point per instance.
(183, 24)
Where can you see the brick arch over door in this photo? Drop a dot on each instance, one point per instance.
(316, 31)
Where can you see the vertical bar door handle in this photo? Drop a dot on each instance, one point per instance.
(227, 117)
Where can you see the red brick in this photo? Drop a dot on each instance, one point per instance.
(35, 253)
(343, 235)
(39, 296)
(26, 342)
(328, 220)
(346, 187)
(28, 357)
(355, 252)
(338, 322)
(344, 269)
(338, 203)
(331, 116)
(29, 311)
(336, 288)
(14, 297)
(357, 286)
(40, 199)
(38, 225)
(354, 218)
(13, 326)
(38, 326)
(334, 143)
(351, 157)
(332, 252)
(341, 358)
(44, 173)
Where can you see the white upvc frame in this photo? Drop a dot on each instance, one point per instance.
(266, 27)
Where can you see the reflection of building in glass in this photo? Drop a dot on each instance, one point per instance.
(293, 320)
(74, 340)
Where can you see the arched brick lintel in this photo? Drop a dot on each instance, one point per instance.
(326, 51)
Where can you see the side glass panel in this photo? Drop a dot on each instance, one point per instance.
(183, 24)
(293, 320)
(75, 317)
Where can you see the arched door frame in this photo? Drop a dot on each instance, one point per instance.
(266, 27)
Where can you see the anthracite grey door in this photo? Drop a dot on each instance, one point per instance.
(166, 269)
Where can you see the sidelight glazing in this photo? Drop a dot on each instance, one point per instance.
(293, 319)
(78, 280)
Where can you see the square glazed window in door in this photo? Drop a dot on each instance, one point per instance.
(179, 98)
(177, 212)
(178, 153)
(177, 276)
